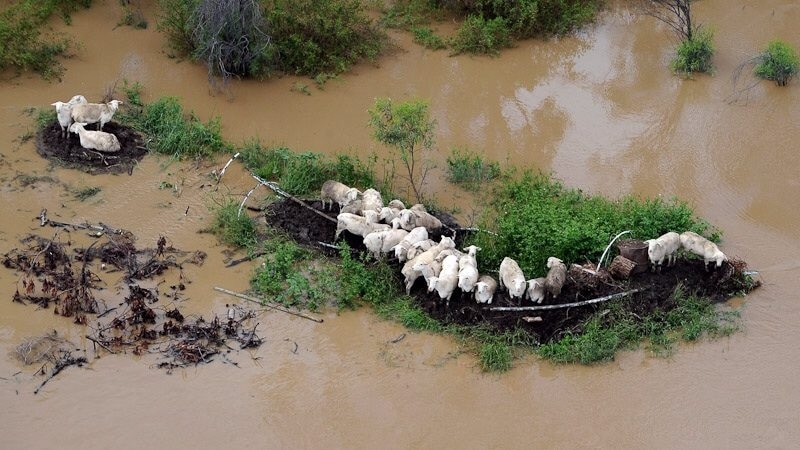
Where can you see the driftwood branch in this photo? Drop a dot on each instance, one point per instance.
(566, 305)
(260, 302)
(274, 186)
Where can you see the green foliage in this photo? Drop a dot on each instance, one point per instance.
(314, 37)
(468, 169)
(536, 217)
(406, 127)
(482, 36)
(176, 133)
(694, 55)
(407, 14)
(232, 228)
(778, 62)
(427, 38)
(173, 21)
(45, 116)
(132, 15)
(304, 173)
(562, 16)
(86, 193)
(606, 333)
(25, 46)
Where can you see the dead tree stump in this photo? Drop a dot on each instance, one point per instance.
(621, 267)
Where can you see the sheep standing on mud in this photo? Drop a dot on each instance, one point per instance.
(484, 289)
(666, 247)
(64, 112)
(447, 280)
(701, 246)
(371, 200)
(512, 278)
(468, 269)
(536, 290)
(412, 218)
(556, 276)
(358, 225)
(95, 112)
(416, 235)
(425, 257)
(95, 140)
(334, 191)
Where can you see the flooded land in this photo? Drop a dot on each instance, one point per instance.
(599, 110)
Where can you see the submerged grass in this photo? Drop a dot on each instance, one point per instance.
(468, 169)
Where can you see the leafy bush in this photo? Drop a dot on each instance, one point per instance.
(175, 133)
(24, 46)
(482, 36)
(173, 21)
(694, 55)
(427, 38)
(468, 169)
(233, 228)
(536, 217)
(406, 14)
(778, 62)
(527, 18)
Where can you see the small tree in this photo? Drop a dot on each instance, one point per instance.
(695, 49)
(677, 14)
(407, 128)
(778, 62)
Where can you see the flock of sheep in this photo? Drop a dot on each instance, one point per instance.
(667, 245)
(74, 115)
(405, 231)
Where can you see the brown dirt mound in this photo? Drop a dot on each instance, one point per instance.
(309, 228)
(68, 152)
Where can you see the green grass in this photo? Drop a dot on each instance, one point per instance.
(468, 169)
(778, 62)
(427, 38)
(232, 228)
(479, 36)
(694, 55)
(85, 193)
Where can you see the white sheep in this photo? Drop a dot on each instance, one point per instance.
(358, 225)
(416, 235)
(691, 241)
(387, 214)
(712, 253)
(484, 289)
(428, 271)
(425, 257)
(353, 207)
(95, 112)
(536, 290)
(393, 237)
(419, 248)
(556, 276)
(451, 251)
(397, 204)
(701, 246)
(447, 280)
(96, 140)
(411, 218)
(512, 278)
(374, 242)
(468, 269)
(340, 193)
(371, 200)
(64, 112)
(666, 247)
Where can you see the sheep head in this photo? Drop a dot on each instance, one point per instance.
(552, 261)
(472, 250)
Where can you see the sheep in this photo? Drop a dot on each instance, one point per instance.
(428, 271)
(425, 257)
(467, 277)
(393, 237)
(340, 193)
(665, 246)
(512, 278)
(418, 207)
(556, 276)
(396, 204)
(484, 289)
(416, 235)
(374, 242)
(96, 140)
(701, 246)
(451, 251)
(411, 218)
(64, 112)
(358, 225)
(419, 247)
(354, 207)
(387, 214)
(536, 289)
(371, 200)
(95, 112)
(447, 280)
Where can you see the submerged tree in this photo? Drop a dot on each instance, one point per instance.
(407, 128)
(677, 14)
(696, 48)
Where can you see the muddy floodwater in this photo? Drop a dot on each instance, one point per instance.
(599, 109)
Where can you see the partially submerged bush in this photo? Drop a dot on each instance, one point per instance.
(482, 36)
(174, 132)
(694, 55)
(468, 169)
(778, 62)
(427, 38)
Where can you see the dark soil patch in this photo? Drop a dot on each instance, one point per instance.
(309, 228)
(68, 152)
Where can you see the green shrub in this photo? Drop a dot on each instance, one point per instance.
(778, 62)
(427, 38)
(406, 14)
(176, 133)
(527, 18)
(25, 46)
(536, 217)
(233, 228)
(694, 55)
(482, 36)
(468, 169)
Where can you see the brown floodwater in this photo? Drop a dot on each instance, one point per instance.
(599, 109)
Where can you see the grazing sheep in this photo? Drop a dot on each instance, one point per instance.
(416, 235)
(374, 242)
(665, 246)
(96, 140)
(712, 253)
(556, 276)
(64, 112)
(536, 289)
(340, 193)
(701, 246)
(484, 289)
(428, 271)
(447, 280)
(411, 218)
(691, 241)
(371, 200)
(512, 278)
(425, 257)
(358, 225)
(95, 112)
(419, 247)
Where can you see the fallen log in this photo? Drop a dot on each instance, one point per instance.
(275, 307)
(566, 305)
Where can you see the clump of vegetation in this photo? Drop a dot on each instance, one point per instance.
(25, 45)
(482, 36)
(407, 128)
(468, 169)
(617, 328)
(536, 217)
(778, 62)
(86, 193)
(304, 173)
(132, 15)
(427, 38)
(233, 228)
(694, 54)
